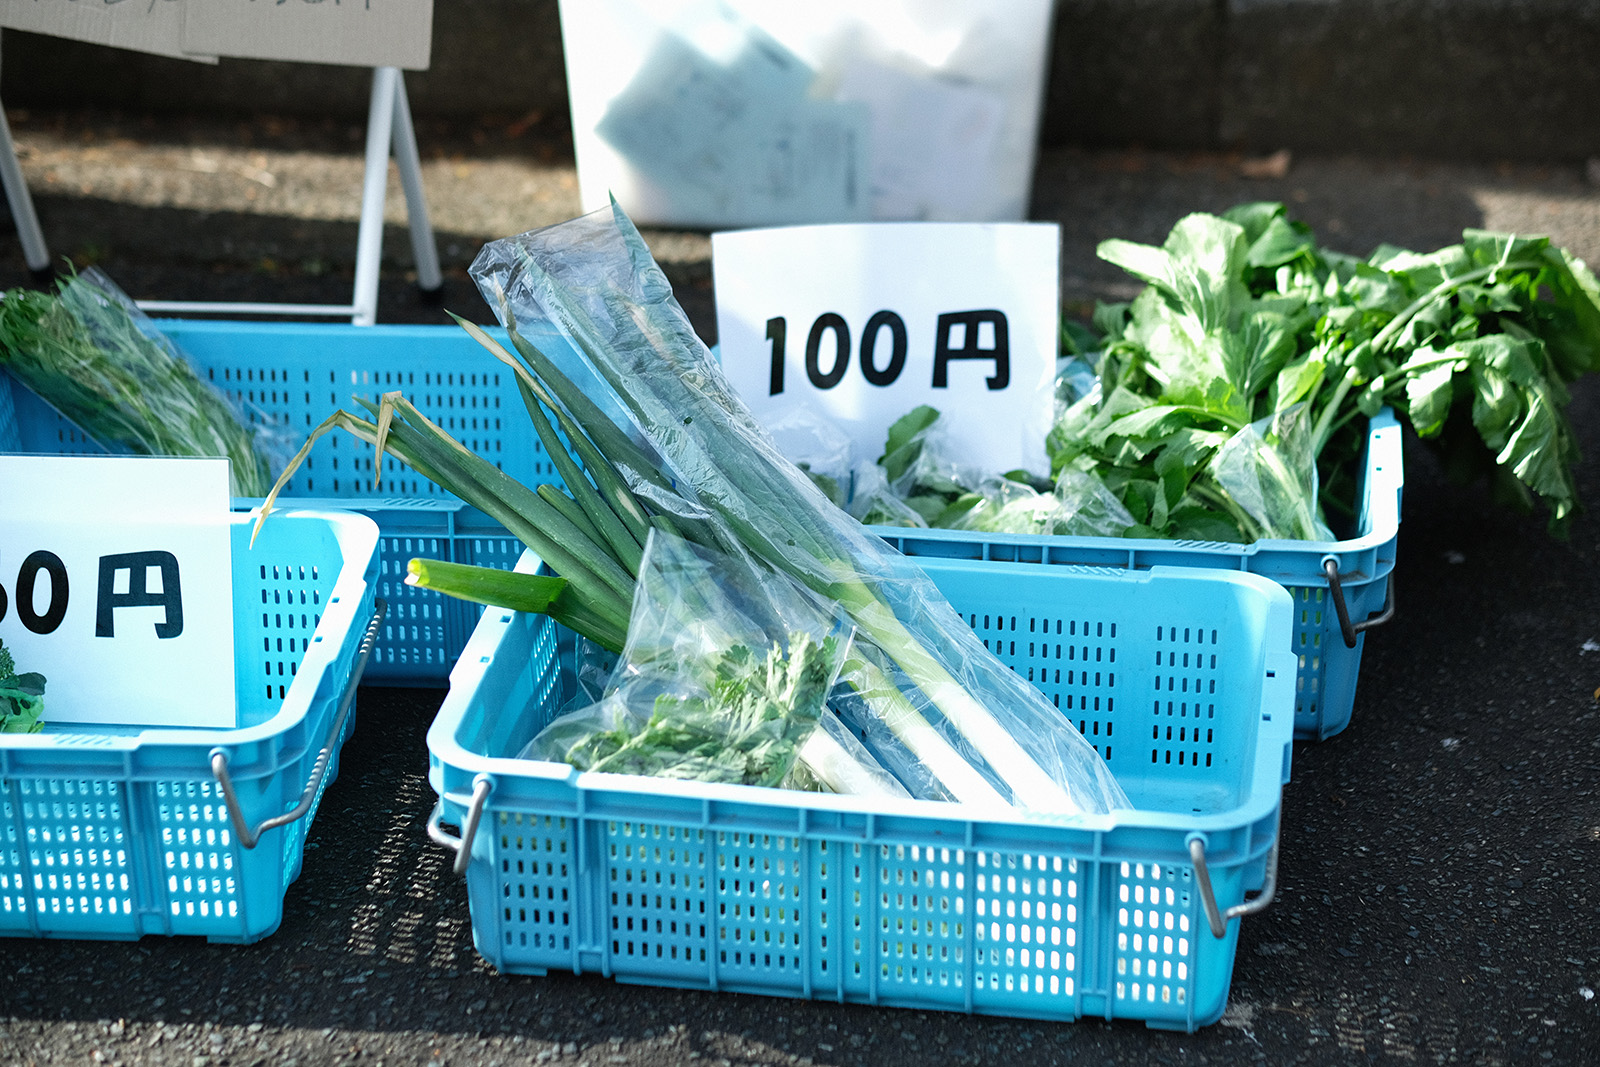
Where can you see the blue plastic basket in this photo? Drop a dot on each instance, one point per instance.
(910, 904)
(1340, 588)
(113, 833)
(291, 376)
(423, 632)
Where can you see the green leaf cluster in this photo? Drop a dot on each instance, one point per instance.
(746, 726)
(21, 697)
(1245, 318)
(94, 356)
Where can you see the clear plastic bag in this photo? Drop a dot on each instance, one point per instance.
(922, 471)
(724, 678)
(874, 503)
(1005, 506)
(1270, 470)
(984, 731)
(1079, 506)
(817, 446)
(96, 358)
(1076, 380)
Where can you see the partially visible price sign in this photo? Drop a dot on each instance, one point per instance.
(116, 584)
(863, 322)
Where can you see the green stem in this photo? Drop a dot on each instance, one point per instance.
(602, 445)
(1407, 372)
(516, 507)
(1392, 329)
(1324, 427)
(575, 514)
(610, 448)
(551, 595)
(1217, 497)
(613, 532)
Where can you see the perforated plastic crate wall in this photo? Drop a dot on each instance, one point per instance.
(113, 833)
(422, 631)
(290, 377)
(1325, 684)
(1180, 677)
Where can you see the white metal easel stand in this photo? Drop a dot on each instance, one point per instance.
(389, 129)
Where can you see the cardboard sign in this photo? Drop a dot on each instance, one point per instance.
(116, 584)
(865, 322)
(154, 26)
(363, 33)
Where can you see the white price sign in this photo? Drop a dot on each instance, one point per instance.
(864, 322)
(116, 584)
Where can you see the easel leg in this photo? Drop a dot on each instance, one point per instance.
(369, 235)
(423, 247)
(34, 250)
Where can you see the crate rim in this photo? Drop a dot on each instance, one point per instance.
(454, 769)
(169, 324)
(1384, 523)
(360, 534)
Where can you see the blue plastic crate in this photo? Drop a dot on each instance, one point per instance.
(1327, 645)
(116, 832)
(292, 376)
(423, 631)
(909, 904)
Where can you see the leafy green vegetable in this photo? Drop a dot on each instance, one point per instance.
(90, 353)
(21, 697)
(1234, 388)
(747, 726)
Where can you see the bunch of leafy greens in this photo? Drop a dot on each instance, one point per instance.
(747, 726)
(1234, 390)
(21, 697)
(98, 360)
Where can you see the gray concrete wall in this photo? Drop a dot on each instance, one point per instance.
(1467, 79)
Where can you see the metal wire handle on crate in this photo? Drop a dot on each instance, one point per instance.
(462, 846)
(248, 838)
(1330, 567)
(1216, 918)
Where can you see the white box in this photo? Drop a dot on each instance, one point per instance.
(731, 113)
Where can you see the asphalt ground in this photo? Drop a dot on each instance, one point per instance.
(1440, 868)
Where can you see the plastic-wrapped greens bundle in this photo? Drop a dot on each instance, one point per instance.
(984, 732)
(1080, 505)
(817, 446)
(724, 678)
(1269, 468)
(874, 502)
(922, 472)
(99, 361)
